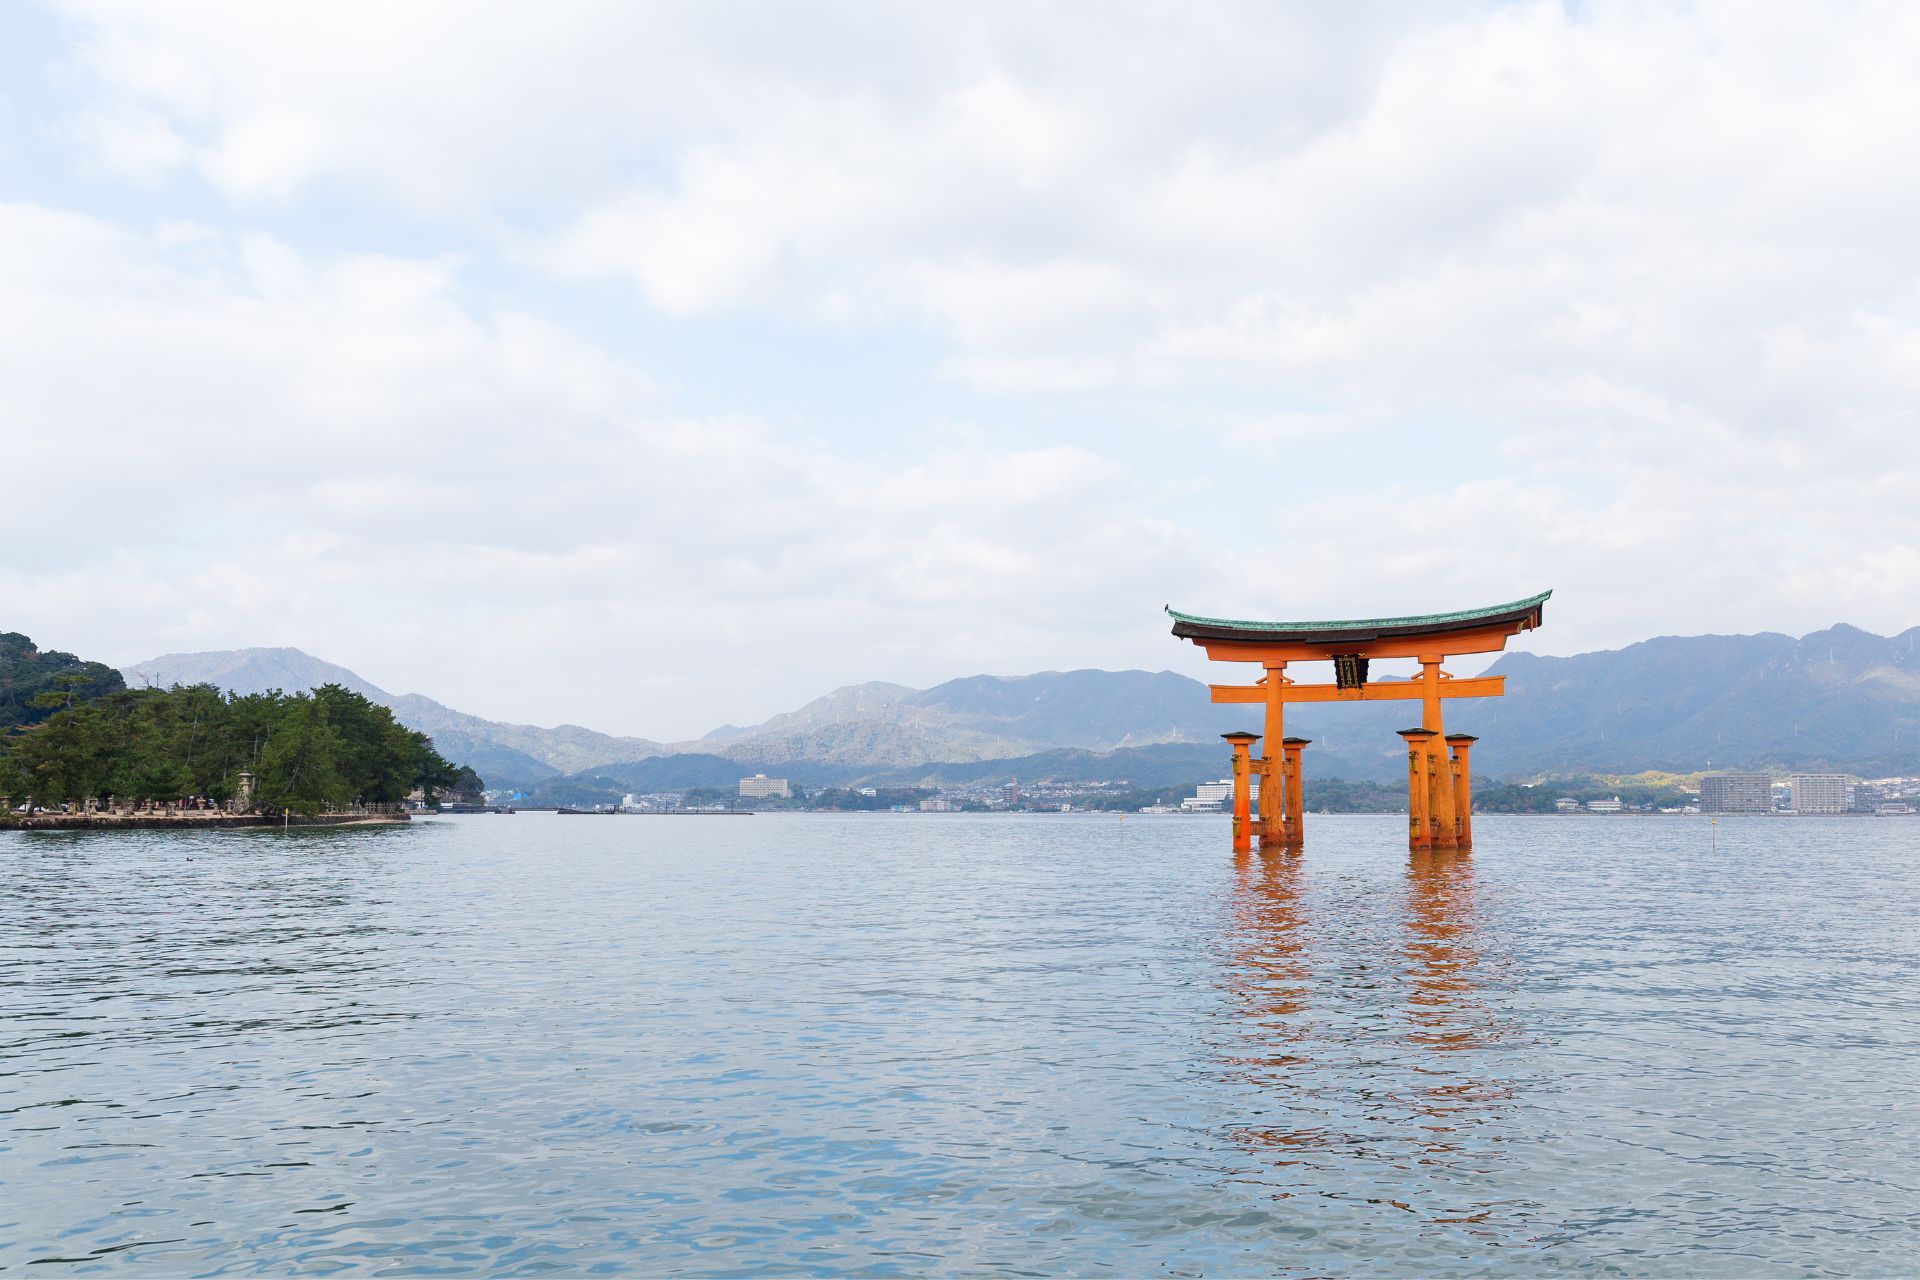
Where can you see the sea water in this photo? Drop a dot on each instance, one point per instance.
(963, 1045)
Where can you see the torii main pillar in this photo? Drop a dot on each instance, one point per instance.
(1273, 813)
(1439, 792)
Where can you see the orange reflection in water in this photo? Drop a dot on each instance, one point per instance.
(1368, 1026)
(1268, 922)
(1447, 1010)
(1269, 984)
(1443, 951)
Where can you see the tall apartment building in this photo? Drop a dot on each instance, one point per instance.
(1821, 792)
(760, 786)
(1736, 793)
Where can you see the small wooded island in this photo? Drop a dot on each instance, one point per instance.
(78, 748)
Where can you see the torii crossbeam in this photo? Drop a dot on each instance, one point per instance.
(1439, 790)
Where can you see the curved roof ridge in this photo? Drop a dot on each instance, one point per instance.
(1196, 626)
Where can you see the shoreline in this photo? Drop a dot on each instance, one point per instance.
(193, 820)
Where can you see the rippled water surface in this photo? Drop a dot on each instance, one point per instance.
(898, 1045)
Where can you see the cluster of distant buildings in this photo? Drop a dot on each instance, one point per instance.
(1805, 793)
(1056, 797)
(663, 802)
(1800, 793)
(1728, 792)
(1052, 797)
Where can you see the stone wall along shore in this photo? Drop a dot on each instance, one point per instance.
(192, 819)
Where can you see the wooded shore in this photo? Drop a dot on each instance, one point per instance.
(187, 820)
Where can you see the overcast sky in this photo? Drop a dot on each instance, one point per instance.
(654, 367)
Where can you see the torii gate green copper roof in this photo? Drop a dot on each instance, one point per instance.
(1520, 613)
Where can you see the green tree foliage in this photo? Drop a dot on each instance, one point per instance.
(300, 765)
(467, 787)
(1514, 797)
(849, 800)
(1338, 795)
(306, 751)
(382, 760)
(1635, 791)
(28, 676)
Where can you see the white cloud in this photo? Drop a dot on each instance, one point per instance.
(1436, 306)
(1452, 193)
(253, 446)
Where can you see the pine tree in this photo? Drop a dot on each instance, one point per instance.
(300, 763)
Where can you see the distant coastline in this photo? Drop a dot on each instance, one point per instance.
(190, 820)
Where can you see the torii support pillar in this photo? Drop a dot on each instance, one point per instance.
(1242, 787)
(1460, 744)
(1290, 749)
(1420, 825)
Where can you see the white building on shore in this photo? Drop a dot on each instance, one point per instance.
(1821, 792)
(1212, 797)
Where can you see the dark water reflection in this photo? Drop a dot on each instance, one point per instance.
(962, 1045)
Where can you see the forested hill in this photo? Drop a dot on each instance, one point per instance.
(33, 684)
(514, 755)
(1842, 698)
(71, 731)
(305, 752)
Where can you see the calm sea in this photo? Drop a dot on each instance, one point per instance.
(961, 1045)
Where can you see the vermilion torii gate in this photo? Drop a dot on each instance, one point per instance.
(1439, 784)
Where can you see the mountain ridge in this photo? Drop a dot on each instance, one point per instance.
(494, 748)
(1840, 698)
(982, 717)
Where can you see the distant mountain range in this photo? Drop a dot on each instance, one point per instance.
(1841, 699)
(1166, 765)
(982, 718)
(504, 754)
